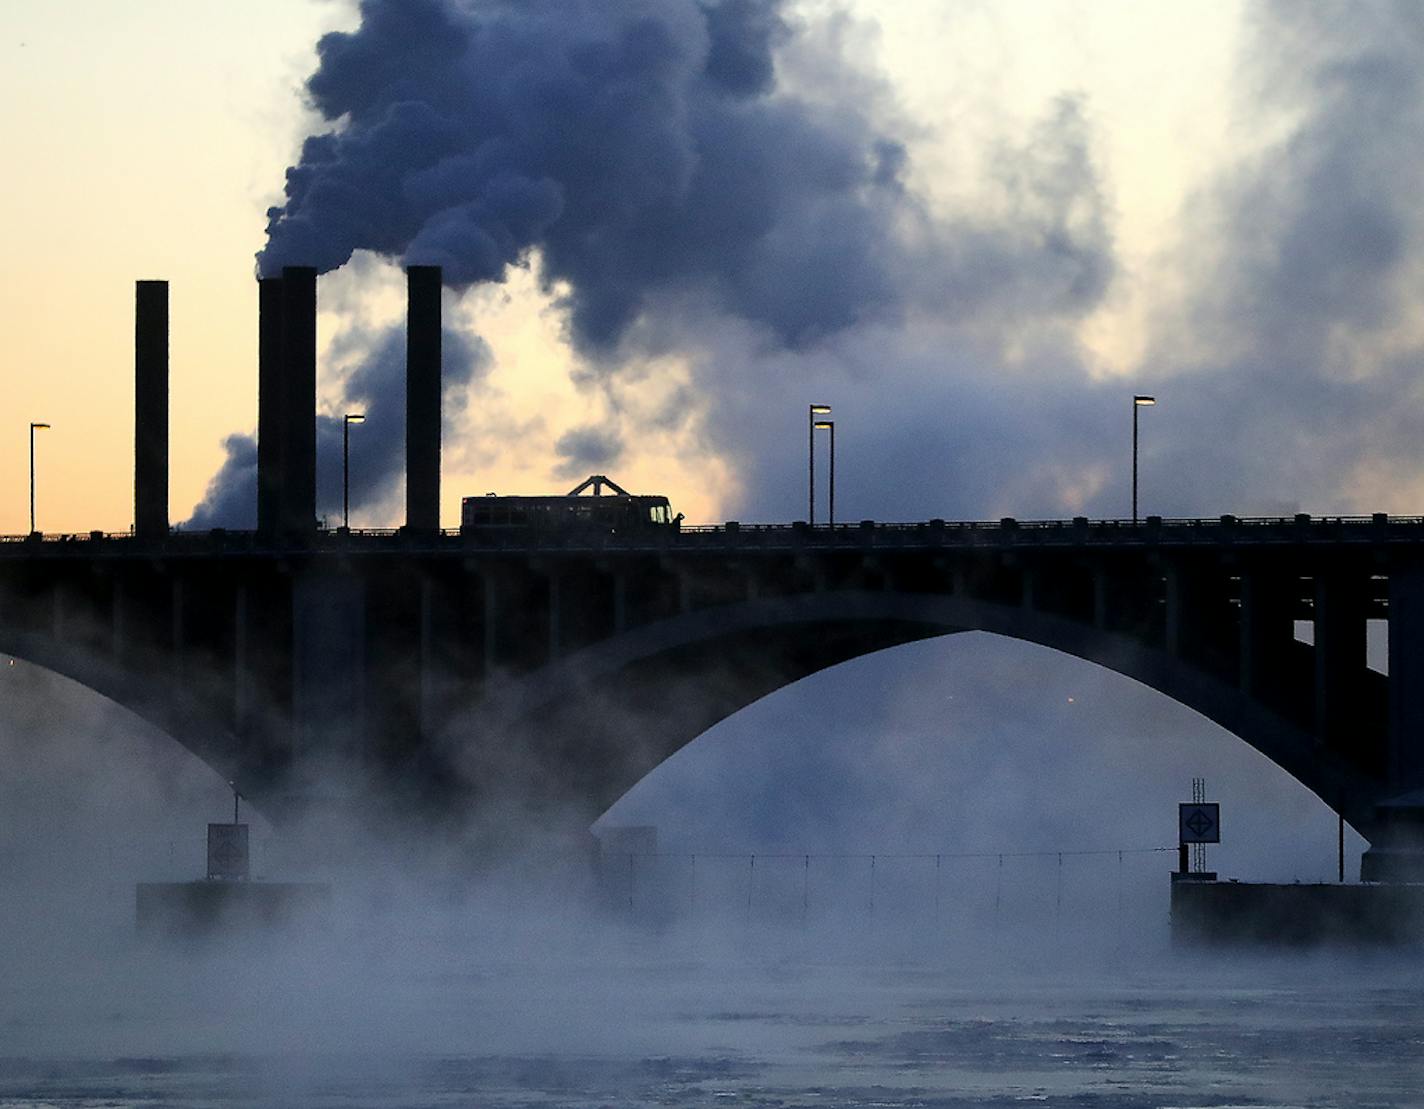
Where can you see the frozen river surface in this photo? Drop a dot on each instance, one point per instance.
(617, 1029)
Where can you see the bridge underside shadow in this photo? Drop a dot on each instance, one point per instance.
(168, 707)
(589, 727)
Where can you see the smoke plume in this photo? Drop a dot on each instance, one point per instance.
(376, 389)
(647, 151)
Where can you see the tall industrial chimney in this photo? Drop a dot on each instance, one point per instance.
(151, 410)
(299, 400)
(422, 399)
(271, 434)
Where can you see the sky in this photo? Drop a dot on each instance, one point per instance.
(975, 229)
(155, 136)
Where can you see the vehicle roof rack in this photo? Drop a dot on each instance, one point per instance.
(597, 482)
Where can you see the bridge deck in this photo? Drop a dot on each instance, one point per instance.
(1006, 533)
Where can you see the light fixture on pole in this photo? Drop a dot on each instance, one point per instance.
(830, 425)
(33, 428)
(1140, 400)
(812, 412)
(346, 422)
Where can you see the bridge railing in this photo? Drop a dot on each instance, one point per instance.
(1152, 531)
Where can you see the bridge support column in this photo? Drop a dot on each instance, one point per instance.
(1028, 596)
(241, 691)
(425, 709)
(620, 603)
(555, 617)
(1199, 619)
(117, 642)
(1340, 633)
(1406, 679)
(175, 615)
(328, 674)
(1267, 633)
(489, 589)
(1397, 841)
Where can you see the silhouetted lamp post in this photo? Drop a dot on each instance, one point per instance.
(812, 412)
(346, 422)
(33, 428)
(830, 425)
(1138, 401)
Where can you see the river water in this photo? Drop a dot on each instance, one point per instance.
(632, 1019)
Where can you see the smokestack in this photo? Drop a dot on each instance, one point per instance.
(422, 399)
(298, 400)
(270, 432)
(151, 410)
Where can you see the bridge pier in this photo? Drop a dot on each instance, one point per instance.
(1267, 633)
(241, 690)
(328, 675)
(1396, 850)
(117, 640)
(1340, 619)
(57, 613)
(489, 600)
(620, 603)
(555, 615)
(1100, 597)
(1406, 679)
(425, 704)
(178, 636)
(1029, 589)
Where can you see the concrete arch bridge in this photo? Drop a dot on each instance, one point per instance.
(559, 671)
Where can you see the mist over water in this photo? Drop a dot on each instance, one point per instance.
(761, 956)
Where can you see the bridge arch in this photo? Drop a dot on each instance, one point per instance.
(623, 706)
(158, 701)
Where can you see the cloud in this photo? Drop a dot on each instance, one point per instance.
(586, 450)
(1291, 370)
(650, 156)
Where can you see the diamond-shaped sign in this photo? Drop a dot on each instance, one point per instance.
(1199, 823)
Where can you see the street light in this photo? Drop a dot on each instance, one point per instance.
(33, 428)
(812, 412)
(830, 425)
(1138, 401)
(346, 422)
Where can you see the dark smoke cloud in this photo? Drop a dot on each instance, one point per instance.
(376, 389)
(1284, 351)
(645, 149)
(230, 500)
(585, 450)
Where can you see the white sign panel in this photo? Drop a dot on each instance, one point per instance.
(227, 851)
(1199, 823)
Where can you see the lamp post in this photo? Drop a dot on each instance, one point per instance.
(346, 422)
(812, 412)
(1138, 401)
(33, 428)
(830, 425)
